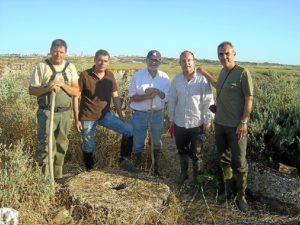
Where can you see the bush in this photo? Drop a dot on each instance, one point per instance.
(17, 111)
(275, 129)
(22, 185)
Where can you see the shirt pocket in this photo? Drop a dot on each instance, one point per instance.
(194, 89)
(233, 86)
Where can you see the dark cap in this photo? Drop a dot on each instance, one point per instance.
(154, 54)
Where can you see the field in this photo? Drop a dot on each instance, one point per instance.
(274, 138)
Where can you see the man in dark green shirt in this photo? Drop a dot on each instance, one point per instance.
(234, 105)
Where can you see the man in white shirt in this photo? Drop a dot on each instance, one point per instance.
(190, 97)
(148, 92)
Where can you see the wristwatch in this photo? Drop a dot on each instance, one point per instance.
(244, 121)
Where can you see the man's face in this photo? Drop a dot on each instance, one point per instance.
(101, 63)
(58, 55)
(187, 63)
(226, 56)
(152, 64)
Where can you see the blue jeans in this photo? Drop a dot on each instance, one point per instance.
(109, 121)
(140, 123)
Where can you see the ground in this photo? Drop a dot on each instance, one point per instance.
(199, 205)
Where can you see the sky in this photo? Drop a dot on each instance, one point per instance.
(260, 30)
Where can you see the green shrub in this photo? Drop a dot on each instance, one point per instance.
(275, 129)
(17, 114)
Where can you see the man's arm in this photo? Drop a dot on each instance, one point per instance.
(209, 77)
(241, 130)
(72, 89)
(117, 103)
(78, 124)
(38, 91)
(140, 98)
(247, 107)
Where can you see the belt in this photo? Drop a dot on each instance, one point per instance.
(154, 110)
(56, 109)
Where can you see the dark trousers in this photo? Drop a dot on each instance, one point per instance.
(189, 141)
(232, 150)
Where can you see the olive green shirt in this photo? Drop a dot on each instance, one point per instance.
(231, 99)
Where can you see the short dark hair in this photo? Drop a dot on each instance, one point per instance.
(224, 43)
(184, 53)
(58, 43)
(101, 52)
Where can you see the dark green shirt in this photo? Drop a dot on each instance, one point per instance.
(231, 99)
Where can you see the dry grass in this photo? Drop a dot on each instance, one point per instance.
(22, 185)
(115, 197)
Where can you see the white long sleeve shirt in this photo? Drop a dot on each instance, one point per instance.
(189, 101)
(140, 81)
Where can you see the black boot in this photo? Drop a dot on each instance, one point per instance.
(88, 159)
(126, 147)
(184, 164)
(197, 169)
(137, 161)
(156, 163)
(125, 152)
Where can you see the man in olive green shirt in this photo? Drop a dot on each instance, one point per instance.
(234, 105)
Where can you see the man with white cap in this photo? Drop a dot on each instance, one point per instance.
(148, 93)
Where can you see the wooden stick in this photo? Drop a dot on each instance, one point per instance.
(50, 141)
(150, 134)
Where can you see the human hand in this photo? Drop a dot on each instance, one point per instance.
(206, 128)
(78, 126)
(150, 95)
(241, 130)
(151, 90)
(54, 86)
(201, 70)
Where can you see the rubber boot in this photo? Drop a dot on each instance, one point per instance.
(88, 159)
(156, 172)
(58, 171)
(197, 169)
(125, 152)
(184, 164)
(137, 160)
(241, 184)
(228, 184)
(126, 147)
